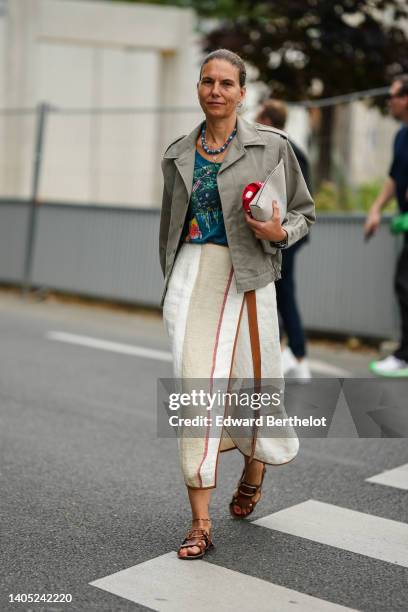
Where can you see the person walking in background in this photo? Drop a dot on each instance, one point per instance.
(396, 185)
(274, 113)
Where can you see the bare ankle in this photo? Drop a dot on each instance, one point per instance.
(202, 523)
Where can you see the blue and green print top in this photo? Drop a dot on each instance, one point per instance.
(204, 219)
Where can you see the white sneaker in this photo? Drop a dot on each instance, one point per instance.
(288, 360)
(390, 366)
(301, 371)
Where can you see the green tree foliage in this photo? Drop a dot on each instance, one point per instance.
(342, 45)
(310, 48)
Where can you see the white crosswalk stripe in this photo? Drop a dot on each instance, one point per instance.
(107, 345)
(397, 477)
(356, 532)
(167, 584)
(317, 367)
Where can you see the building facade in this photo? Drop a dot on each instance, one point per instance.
(84, 58)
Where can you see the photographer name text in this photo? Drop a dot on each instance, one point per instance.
(228, 421)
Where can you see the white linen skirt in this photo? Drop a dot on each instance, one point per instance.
(211, 329)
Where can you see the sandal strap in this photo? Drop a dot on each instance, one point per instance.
(190, 543)
(197, 537)
(198, 533)
(246, 491)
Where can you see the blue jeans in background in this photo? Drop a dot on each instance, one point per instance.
(286, 301)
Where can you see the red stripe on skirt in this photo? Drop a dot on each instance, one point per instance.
(217, 337)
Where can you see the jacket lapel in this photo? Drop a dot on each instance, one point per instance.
(185, 166)
(184, 152)
(184, 158)
(235, 151)
(246, 135)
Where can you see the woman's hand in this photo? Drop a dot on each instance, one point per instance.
(271, 230)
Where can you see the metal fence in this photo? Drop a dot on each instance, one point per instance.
(344, 285)
(110, 156)
(80, 192)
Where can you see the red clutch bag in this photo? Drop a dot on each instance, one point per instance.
(248, 195)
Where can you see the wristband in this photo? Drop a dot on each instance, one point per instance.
(282, 243)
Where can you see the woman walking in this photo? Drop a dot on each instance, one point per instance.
(219, 264)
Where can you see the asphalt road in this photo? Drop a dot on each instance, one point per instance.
(88, 489)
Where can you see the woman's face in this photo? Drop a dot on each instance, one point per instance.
(218, 90)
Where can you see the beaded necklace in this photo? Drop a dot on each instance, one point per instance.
(218, 150)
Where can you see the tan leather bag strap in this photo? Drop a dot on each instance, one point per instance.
(250, 297)
(254, 333)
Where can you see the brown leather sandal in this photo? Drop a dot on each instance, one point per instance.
(197, 536)
(244, 496)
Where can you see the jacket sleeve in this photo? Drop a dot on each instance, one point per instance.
(164, 227)
(300, 213)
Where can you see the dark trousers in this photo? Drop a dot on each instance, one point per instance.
(401, 288)
(286, 301)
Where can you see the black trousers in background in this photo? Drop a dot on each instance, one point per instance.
(286, 301)
(401, 288)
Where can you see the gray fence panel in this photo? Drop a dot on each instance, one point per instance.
(344, 284)
(13, 228)
(99, 251)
